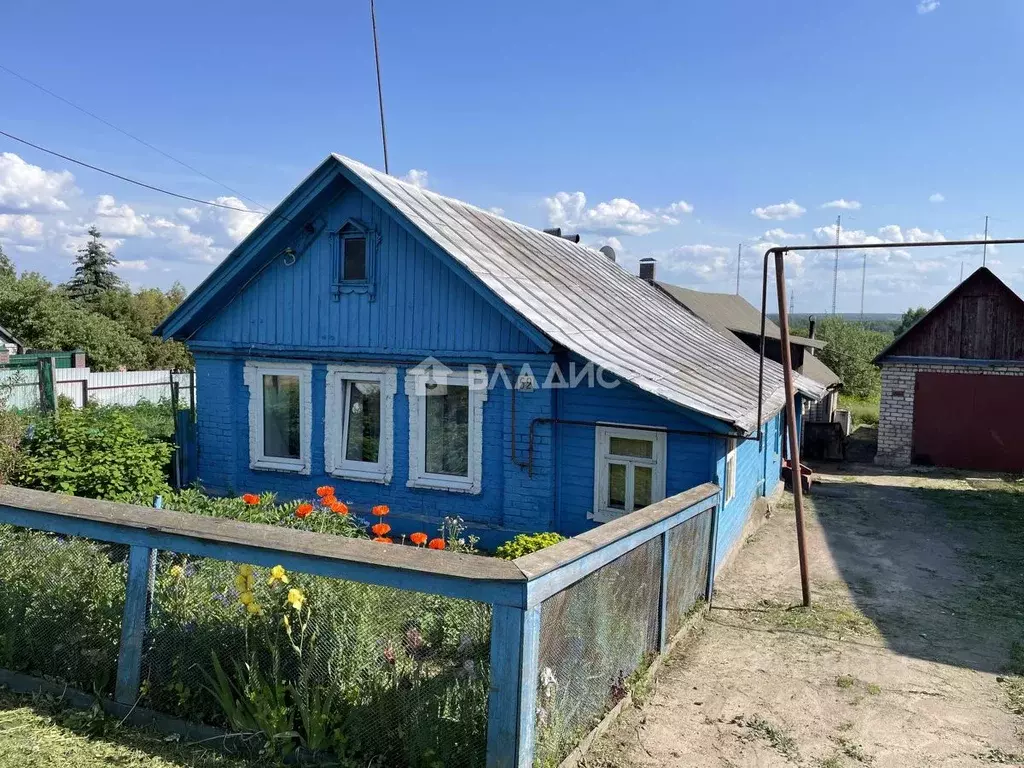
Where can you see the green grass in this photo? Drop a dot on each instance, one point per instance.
(781, 741)
(38, 732)
(862, 411)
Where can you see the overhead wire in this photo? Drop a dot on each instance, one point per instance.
(130, 135)
(136, 182)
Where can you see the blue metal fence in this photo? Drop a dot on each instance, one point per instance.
(617, 582)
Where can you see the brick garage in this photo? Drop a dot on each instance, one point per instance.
(952, 384)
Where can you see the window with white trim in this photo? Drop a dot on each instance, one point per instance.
(629, 470)
(445, 430)
(359, 422)
(280, 415)
(730, 469)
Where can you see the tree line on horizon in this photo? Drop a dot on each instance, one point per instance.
(95, 311)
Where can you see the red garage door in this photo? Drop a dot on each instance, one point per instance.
(970, 421)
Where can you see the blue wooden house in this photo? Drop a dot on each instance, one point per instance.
(416, 351)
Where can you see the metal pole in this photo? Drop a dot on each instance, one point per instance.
(984, 248)
(794, 440)
(835, 269)
(380, 92)
(739, 263)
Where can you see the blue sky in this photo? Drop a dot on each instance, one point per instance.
(677, 130)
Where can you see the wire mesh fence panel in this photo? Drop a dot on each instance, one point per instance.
(61, 604)
(689, 552)
(367, 673)
(594, 636)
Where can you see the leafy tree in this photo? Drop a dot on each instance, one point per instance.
(6, 265)
(140, 313)
(849, 351)
(94, 273)
(909, 317)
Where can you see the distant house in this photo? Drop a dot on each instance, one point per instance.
(9, 344)
(738, 319)
(414, 350)
(953, 384)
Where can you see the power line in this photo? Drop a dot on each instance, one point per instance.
(380, 92)
(131, 136)
(130, 181)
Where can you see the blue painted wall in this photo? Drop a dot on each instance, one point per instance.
(420, 304)
(423, 307)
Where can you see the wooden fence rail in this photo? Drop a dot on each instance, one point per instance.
(516, 590)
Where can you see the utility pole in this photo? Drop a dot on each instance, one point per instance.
(739, 263)
(984, 248)
(835, 269)
(380, 92)
(863, 283)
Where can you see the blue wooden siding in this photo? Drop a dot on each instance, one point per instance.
(420, 304)
(758, 466)
(690, 458)
(510, 499)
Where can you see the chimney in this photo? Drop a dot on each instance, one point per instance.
(647, 266)
(557, 232)
(811, 322)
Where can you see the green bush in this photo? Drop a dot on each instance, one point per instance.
(94, 452)
(525, 543)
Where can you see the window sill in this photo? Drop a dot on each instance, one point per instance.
(381, 477)
(458, 485)
(270, 465)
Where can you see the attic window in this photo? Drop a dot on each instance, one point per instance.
(355, 250)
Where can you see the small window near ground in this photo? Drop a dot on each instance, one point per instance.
(359, 419)
(279, 416)
(730, 469)
(445, 431)
(629, 471)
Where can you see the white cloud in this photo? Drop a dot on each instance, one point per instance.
(497, 211)
(938, 197)
(28, 188)
(927, 6)
(780, 211)
(844, 204)
(780, 235)
(701, 262)
(119, 220)
(21, 226)
(239, 222)
(618, 216)
(417, 177)
(140, 265)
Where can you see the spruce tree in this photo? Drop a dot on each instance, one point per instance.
(94, 273)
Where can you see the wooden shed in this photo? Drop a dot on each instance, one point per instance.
(953, 384)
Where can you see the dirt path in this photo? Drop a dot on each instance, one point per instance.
(907, 658)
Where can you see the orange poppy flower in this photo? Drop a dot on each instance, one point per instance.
(384, 540)
(419, 539)
(381, 509)
(251, 499)
(339, 507)
(303, 510)
(328, 501)
(380, 529)
(325, 490)
(436, 544)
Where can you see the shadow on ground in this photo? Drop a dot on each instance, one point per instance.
(939, 569)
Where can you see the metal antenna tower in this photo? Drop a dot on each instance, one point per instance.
(739, 263)
(984, 248)
(835, 269)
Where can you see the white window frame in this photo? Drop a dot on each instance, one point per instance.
(730, 469)
(336, 423)
(603, 455)
(255, 370)
(418, 476)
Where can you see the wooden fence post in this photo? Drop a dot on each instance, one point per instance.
(512, 703)
(133, 625)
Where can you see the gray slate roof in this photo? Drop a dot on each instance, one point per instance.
(734, 314)
(580, 299)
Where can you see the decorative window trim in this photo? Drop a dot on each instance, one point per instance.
(335, 463)
(337, 239)
(602, 455)
(414, 391)
(253, 376)
(730, 469)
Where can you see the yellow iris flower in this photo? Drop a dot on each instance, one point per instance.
(296, 599)
(177, 571)
(254, 609)
(277, 573)
(246, 598)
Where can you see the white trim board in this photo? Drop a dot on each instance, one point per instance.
(253, 375)
(335, 423)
